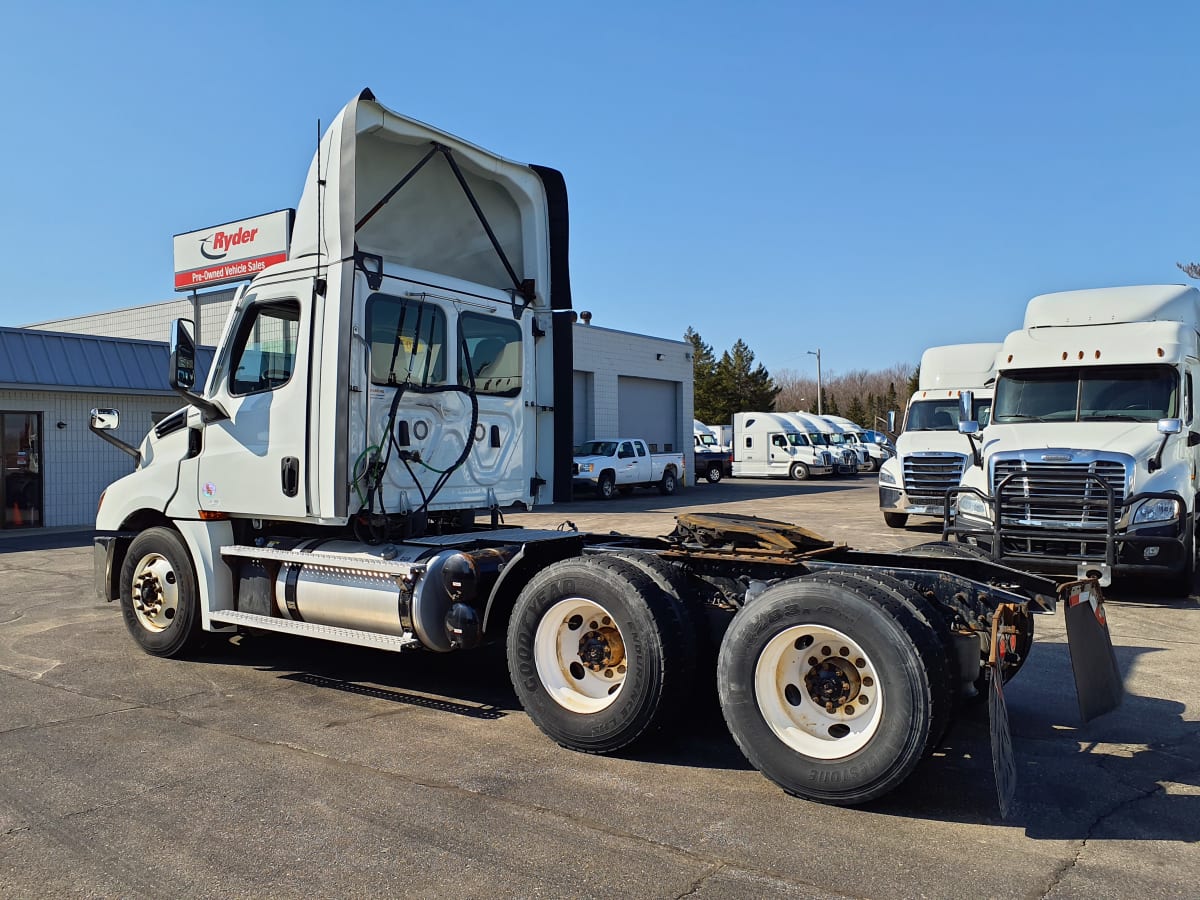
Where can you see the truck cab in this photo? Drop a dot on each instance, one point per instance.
(930, 453)
(771, 445)
(1088, 465)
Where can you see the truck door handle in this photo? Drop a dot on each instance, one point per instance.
(290, 475)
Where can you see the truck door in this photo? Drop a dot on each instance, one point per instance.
(645, 467)
(779, 457)
(627, 463)
(253, 462)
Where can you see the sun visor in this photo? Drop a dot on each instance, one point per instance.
(408, 192)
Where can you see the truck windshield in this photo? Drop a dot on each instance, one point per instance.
(942, 414)
(1088, 394)
(597, 448)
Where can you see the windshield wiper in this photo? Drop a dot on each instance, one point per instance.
(1117, 418)
(1021, 417)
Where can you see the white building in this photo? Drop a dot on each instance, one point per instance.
(624, 384)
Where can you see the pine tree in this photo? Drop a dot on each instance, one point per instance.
(742, 386)
(856, 412)
(704, 380)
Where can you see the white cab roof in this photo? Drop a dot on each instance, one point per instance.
(1105, 306)
(958, 366)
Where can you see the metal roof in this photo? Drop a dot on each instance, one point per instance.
(31, 359)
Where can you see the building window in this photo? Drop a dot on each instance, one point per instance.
(21, 450)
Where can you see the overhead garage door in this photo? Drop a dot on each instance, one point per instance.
(581, 386)
(647, 408)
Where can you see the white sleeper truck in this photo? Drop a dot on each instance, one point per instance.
(407, 366)
(774, 445)
(871, 453)
(930, 453)
(618, 465)
(1088, 466)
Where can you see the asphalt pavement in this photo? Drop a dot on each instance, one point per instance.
(273, 766)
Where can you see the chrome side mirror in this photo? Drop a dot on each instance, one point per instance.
(1170, 426)
(105, 419)
(968, 427)
(966, 407)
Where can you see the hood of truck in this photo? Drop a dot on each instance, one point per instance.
(1138, 439)
(932, 442)
(367, 189)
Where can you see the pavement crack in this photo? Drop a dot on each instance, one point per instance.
(699, 882)
(16, 830)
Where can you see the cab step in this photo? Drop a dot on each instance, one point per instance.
(393, 642)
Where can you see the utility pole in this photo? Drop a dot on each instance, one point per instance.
(820, 393)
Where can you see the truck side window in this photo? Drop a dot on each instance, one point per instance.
(264, 353)
(626, 451)
(407, 339)
(493, 355)
(640, 447)
(778, 440)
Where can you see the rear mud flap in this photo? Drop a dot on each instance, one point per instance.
(1004, 763)
(1098, 682)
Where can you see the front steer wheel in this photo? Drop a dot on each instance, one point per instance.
(827, 689)
(599, 654)
(159, 595)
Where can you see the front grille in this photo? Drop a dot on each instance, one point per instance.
(927, 478)
(1059, 494)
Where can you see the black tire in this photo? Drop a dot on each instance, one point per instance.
(903, 652)
(657, 642)
(714, 473)
(798, 472)
(1014, 662)
(160, 598)
(872, 464)
(669, 483)
(606, 486)
(1183, 583)
(895, 520)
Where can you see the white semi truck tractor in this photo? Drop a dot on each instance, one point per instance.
(406, 367)
(1088, 466)
(930, 454)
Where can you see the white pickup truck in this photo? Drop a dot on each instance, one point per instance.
(621, 464)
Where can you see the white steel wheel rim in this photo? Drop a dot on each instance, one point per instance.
(803, 671)
(579, 654)
(155, 592)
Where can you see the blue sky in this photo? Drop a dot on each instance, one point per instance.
(867, 178)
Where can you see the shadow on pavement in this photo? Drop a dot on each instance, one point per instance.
(44, 540)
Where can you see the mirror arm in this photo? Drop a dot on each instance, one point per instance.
(118, 443)
(1156, 463)
(976, 443)
(210, 409)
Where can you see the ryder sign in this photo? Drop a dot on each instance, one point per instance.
(236, 251)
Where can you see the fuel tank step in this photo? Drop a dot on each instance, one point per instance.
(312, 629)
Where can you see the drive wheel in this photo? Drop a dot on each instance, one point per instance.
(160, 599)
(895, 520)
(606, 487)
(599, 654)
(713, 475)
(834, 692)
(668, 484)
(798, 472)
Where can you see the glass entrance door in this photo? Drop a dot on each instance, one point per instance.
(21, 450)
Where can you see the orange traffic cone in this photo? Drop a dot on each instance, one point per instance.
(17, 516)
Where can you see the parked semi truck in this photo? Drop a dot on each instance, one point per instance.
(1088, 465)
(930, 454)
(871, 452)
(774, 445)
(824, 434)
(325, 482)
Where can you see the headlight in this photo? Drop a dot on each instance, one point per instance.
(1156, 511)
(886, 477)
(972, 505)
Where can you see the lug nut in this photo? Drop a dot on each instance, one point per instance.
(860, 663)
(849, 710)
